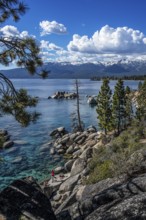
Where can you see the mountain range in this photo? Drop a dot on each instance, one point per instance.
(86, 70)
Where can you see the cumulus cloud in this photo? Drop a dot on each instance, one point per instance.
(11, 31)
(45, 45)
(121, 40)
(49, 27)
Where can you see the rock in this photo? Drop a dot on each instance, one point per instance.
(8, 144)
(91, 143)
(80, 192)
(58, 131)
(54, 132)
(87, 153)
(65, 195)
(61, 151)
(61, 129)
(11, 150)
(51, 187)
(69, 184)
(89, 191)
(25, 198)
(75, 212)
(77, 153)
(91, 128)
(82, 140)
(92, 101)
(17, 159)
(63, 95)
(68, 165)
(20, 142)
(131, 208)
(78, 166)
(70, 150)
(112, 199)
(73, 136)
(64, 215)
(44, 148)
(58, 146)
(92, 136)
(3, 132)
(64, 140)
(7, 137)
(57, 197)
(68, 202)
(79, 137)
(52, 151)
(58, 170)
(86, 207)
(86, 171)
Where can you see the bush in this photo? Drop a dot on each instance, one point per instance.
(102, 171)
(122, 156)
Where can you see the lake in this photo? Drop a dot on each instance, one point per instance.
(27, 157)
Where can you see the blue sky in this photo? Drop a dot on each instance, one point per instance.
(80, 31)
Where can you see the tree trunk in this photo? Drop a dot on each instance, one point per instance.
(78, 106)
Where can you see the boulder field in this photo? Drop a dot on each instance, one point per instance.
(67, 197)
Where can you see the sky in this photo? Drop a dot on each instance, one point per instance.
(80, 31)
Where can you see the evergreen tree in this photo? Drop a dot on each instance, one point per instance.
(104, 106)
(129, 106)
(139, 85)
(25, 52)
(119, 106)
(127, 90)
(141, 102)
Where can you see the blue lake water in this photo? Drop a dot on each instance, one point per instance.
(54, 113)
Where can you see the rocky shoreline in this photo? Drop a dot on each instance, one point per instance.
(77, 149)
(111, 198)
(67, 197)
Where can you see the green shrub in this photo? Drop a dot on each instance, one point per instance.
(102, 171)
(121, 156)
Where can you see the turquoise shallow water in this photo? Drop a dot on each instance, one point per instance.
(54, 113)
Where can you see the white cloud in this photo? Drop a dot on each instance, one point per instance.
(121, 40)
(24, 34)
(11, 31)
(49, 27)
(45, 45)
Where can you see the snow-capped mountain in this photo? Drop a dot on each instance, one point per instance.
(86, 70)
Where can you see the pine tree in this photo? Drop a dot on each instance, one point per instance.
(104, 106)
(141, 102)
(119, 106)
(24, 52)
(129, 106)
(139, 85)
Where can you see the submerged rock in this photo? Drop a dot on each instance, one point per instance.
(8, 144)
